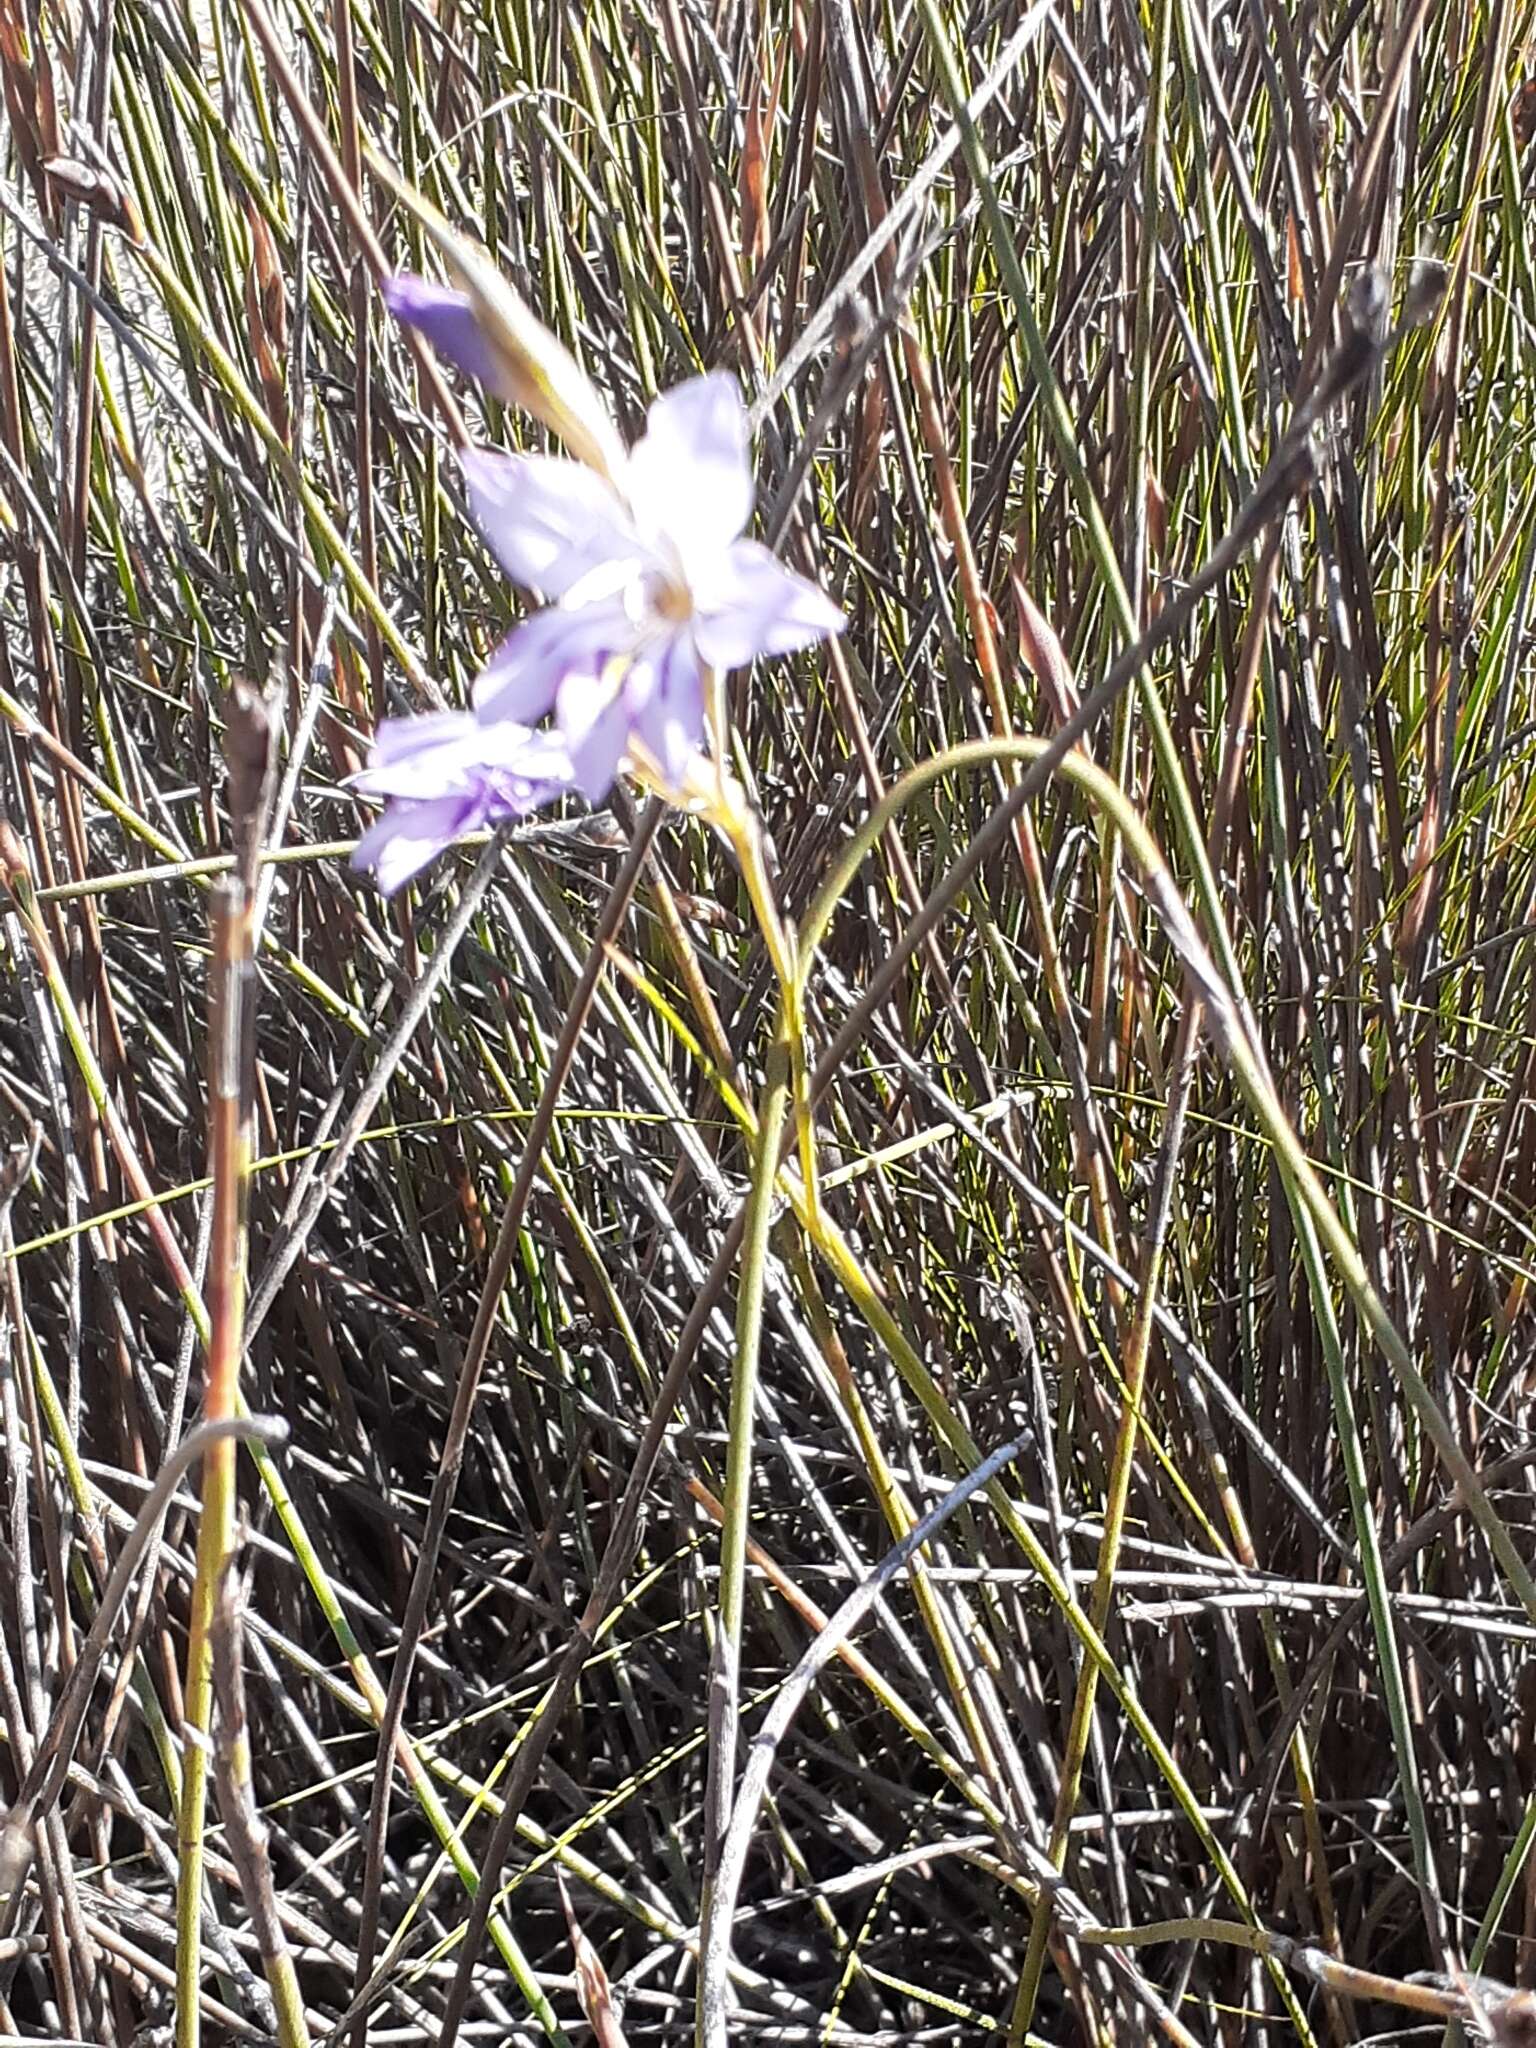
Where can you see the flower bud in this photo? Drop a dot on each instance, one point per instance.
(541, 374)
(530, 367)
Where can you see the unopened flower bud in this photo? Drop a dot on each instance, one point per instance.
(486, 329)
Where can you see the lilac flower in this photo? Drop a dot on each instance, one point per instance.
(650, 588)
(650, 582)
(445, 774)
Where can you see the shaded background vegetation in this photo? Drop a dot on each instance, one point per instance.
(216, 458)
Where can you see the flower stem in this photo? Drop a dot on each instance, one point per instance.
(783, 950)
(785, 1082)
(724, 1706)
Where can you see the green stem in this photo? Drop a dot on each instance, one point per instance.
(784, 952)
(725, 1677)
(778, 1090)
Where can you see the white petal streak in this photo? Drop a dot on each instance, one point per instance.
(595, 721)
(671, 722)
(549, 522)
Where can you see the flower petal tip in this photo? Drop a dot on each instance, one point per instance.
(444, 317)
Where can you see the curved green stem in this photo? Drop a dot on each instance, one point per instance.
(1223, 1005)
(960, 760)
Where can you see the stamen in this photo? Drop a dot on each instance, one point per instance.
(672, 601)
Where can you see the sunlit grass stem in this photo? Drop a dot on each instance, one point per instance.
(229, 1159)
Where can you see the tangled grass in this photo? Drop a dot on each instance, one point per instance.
(1029, 305)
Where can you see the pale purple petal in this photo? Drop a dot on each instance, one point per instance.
(671, 718)
(408, 836)
(524, 675)
(447, 319)
(404, 739)
(755, 606)
(595, 720)
(445, 774)
(690, 477)
(424, 756)
(444, 752)
(551, 523)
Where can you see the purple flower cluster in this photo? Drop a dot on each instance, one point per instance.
(448, 773)
(647, 585)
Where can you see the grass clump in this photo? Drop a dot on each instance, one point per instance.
(1059, 1183)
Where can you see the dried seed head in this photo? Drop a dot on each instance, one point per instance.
(96, 190)
(266, 295)
(1427, 280)
(249, 749)
(1369, 305)
(15, 868)
(1513, 2024)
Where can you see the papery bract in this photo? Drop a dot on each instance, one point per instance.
(484, 328)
